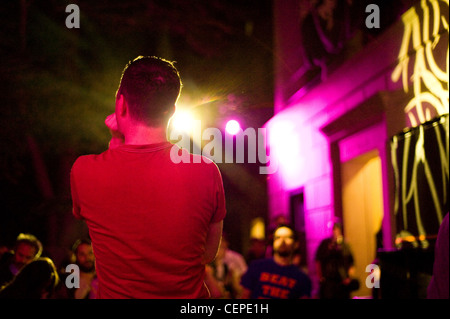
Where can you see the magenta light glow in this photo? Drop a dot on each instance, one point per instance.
(286, 145)
(232, 127)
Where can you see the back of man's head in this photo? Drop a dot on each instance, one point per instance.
(151, 87)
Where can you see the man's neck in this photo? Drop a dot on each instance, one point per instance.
(143, 135)
(282, 261)
(87, 274)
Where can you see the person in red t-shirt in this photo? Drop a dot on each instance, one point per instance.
(154, 222)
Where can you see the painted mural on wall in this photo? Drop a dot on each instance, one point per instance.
(420, 155)
(422, 67)
(420, 159)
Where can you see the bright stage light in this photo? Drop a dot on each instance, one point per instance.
(182, 121)
(232, 127)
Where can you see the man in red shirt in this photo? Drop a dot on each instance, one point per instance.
(154, 222)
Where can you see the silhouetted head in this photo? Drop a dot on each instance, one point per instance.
(150, 86)
(36, 280)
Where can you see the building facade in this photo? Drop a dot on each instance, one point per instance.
(360, 131)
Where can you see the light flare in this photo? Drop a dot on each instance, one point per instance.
(233, 127)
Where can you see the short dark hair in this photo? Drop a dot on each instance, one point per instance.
(80, 241)
(151, 87)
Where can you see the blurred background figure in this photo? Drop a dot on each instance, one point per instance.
(36, 280)
(335, 266)
(256, 250)
(85, 259)
(227, 270)
(275, 222)
(82, 255)
(26, 249)
(297, 259)
(438, 287)
(277, 277)
(3, 249)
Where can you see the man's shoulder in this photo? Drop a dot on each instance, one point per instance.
(323, 245)
(85, 165)
(182, 155)
(325, 241)
(88, 158)
(80, 162)
(194, 162)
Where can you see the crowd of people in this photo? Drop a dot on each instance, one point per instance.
(270, 273)
(26, 274)
(268, 270)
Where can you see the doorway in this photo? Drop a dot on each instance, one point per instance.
(362, 211)
(297, 217)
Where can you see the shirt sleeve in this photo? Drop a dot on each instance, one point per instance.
(219, 197)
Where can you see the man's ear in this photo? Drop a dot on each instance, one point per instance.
(121, 105)
(172, 111)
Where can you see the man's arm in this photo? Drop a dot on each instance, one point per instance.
(212, 242)
(216, 223)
